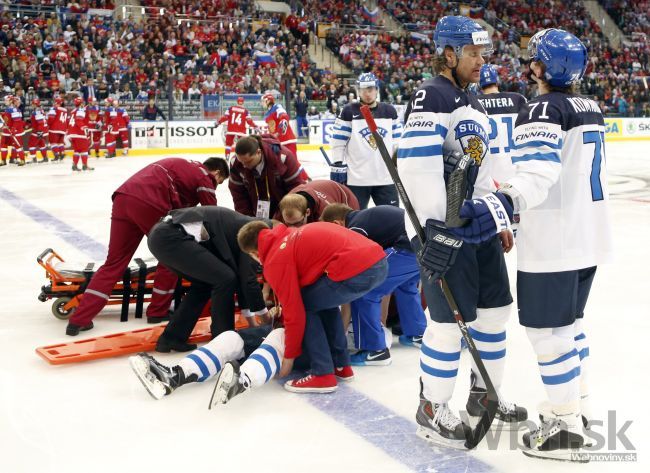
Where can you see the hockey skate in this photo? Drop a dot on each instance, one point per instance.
(75, 168)
(159, 380)
(438, 425)
(557, 438)
(3, 163)
(87, 168)
(508, 415)
(230, 383)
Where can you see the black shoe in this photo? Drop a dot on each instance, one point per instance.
(74, 329)
(75, 168)
(87, 168)
(157, 320)
(165, 345)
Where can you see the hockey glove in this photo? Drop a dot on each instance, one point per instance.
(439, 251)
(488, 216)
(339, 172)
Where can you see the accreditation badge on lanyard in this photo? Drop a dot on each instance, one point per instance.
(263, 206)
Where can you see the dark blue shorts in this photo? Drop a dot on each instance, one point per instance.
(478, 279)
(549, 300)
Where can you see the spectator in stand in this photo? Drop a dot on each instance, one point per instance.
(301, 104)
(313, 114)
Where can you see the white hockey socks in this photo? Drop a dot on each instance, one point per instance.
(207, 361)
(489, 334)
(559, 365)
(265, 362)
(439, 359)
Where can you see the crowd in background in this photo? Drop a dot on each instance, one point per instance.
(188, 49)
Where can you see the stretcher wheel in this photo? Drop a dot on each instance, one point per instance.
(58, 308)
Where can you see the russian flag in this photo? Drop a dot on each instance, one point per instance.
(264, 58)
(370, 16)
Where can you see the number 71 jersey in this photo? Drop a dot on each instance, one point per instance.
(560, 185)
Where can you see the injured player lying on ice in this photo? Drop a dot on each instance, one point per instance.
(261, 348)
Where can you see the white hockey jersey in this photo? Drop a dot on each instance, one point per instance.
(560, 185)
(502, 109)
(353, 143)
(439, 119)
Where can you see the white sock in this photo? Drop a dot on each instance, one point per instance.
(265, 362)
(439, 360)
(207, 361)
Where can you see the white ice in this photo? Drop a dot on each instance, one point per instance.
(97, 417)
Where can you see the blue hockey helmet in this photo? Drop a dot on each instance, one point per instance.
(563, 55)
(489, 75)
(366, 80)
(460, 31)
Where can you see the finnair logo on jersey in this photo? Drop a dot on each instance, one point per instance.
(473, 139)
(367, 135)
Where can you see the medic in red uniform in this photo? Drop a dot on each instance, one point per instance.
(139, 204)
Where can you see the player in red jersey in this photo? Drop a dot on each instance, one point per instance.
(236, 118)
(14, 130)
(111, 127)
(38, 136)
(94, 126)
(6, 138)
(78, 134)
(123, 120)
(277, 119)
(57, 122)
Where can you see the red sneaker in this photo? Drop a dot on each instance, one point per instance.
(345, 373)
(312, 384)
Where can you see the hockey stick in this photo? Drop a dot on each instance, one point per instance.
(492, 397)
(322, 150)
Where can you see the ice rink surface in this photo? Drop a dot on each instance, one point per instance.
(97, 417)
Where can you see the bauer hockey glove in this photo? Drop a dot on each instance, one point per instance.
(488, 215)
(439, 251)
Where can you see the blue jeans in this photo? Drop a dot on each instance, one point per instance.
(302, 124)
(403, 277)
(324, 340)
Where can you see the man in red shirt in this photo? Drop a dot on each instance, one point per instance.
(37, 138)
(306, 202)
(261, 175)
(57, 122)
(313, 270)
(78, 135)
(138, 204)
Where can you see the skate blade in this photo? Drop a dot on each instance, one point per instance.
(141, 369)
(497, 425)
(573, 455)
(222, 386)
(436, 439)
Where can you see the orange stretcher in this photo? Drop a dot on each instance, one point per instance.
(124, 343)
(68, 283)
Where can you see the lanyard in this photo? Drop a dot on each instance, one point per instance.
(268, 191)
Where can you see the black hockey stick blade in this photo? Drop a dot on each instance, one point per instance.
(493, 399)
(488, 415)
(322, 150)
(457, 192)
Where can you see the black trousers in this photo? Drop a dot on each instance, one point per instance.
(381, 195)
(211, 279)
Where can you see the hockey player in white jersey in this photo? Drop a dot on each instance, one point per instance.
(441, 118)
(560, 191)
(502, 109)
(353, 144)
(262, 347)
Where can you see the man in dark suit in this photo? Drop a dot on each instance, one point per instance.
(200, 244)
(89, 90)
